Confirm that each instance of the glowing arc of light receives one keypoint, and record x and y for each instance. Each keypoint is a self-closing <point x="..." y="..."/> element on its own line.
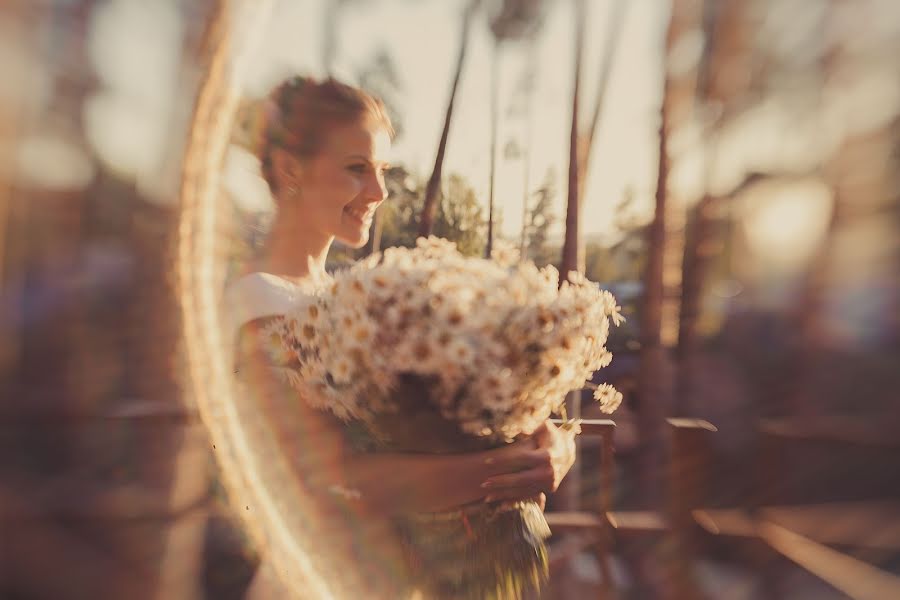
<point x="209" y="377"/>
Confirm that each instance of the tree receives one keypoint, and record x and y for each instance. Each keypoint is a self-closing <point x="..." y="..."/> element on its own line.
<point x="517" y="19"/>
<point x="571" y="261"/>
<point x="433" y="188"/>
<point x="458" y="217"/>
<point x="526" y="91"/>
<point x="698" y="245"/>
<point x="580" y="144"/>
<point x="613" y="32"/>
<point x="495" y="83"/>
<point x="572" y="257"/>
<point x="538" y="222"/>
<point x="399" y="215"/>
<point x="653" y="386"/>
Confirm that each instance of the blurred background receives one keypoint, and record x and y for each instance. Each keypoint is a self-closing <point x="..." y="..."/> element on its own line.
<point x="729" y="169"/>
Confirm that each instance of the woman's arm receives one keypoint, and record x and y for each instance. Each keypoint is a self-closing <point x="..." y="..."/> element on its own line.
<point x="553" y="457"/>
<point x="400" y="483"/>
<point x="428" y="483"/>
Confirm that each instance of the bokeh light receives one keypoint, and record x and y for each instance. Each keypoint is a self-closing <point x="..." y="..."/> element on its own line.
<point x="786" y="222"/>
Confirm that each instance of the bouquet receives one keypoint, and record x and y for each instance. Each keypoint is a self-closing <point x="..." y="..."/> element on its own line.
<point x="426" y="350"/>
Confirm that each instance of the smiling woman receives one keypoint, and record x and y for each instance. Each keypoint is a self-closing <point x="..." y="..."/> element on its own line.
<point x="322" y="156"/>
<point x="303" y="541"/>
<point x="320" y="507"/>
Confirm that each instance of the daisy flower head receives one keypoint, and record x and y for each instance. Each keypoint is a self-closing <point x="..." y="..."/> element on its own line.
<point x="500" y="328"/>
<point x="341" y="370"/>
<point x="608" y="397"/>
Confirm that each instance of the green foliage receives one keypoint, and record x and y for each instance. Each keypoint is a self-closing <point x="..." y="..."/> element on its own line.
<point x="623" y="261"/>
<point x="400" y="213"/>
<point x="459" y="217"/>
<point x="598" y="263"/>
<point x="540" y="220"/>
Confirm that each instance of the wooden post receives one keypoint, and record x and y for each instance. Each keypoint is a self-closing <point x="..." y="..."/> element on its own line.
<point x="688" y="475"/>
<point x="572" y="259"/>
<point x="605" y="429"/>
<point x="596" y="521"/>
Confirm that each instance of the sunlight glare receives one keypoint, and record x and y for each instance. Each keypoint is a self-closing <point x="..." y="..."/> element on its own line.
<point x="785" y="222"/>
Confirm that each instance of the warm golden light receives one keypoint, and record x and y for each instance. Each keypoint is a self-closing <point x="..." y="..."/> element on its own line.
<point x="738" y="196"/>
<point x="785" y="221"/>
<point x="254" y="470"/>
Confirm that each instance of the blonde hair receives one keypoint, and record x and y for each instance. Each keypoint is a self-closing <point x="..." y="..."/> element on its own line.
<point x="300" y="112"/>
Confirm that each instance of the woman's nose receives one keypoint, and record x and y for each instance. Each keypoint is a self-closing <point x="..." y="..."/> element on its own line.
<point x="375" y="189"/>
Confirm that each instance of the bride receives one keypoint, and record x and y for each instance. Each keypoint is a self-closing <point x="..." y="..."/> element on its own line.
<point x="321" y="153"/>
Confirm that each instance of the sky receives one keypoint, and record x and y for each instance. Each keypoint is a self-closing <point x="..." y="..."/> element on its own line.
<point x="422" y="39"/>
<point x="140" y="97"/>
<point x="134" y="117"/>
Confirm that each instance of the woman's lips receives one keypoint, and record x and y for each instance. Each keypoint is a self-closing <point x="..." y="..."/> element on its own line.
<point x="360" y="215"/>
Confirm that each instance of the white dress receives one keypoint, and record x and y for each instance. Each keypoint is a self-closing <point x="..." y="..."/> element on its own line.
<point x="255" y="296"/>
<point x="259" y="295"/>
<point x="246" y="299"/>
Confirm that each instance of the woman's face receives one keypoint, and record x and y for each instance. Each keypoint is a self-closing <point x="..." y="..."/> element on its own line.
<point x="341" y="186"/>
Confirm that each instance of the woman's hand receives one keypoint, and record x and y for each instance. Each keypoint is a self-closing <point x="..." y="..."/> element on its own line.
<point x="526" y="470"/>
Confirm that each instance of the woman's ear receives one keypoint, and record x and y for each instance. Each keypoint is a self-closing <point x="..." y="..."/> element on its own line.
<point x="286" y="169"/>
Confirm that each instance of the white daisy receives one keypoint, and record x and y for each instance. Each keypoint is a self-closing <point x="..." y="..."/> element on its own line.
<point x="608" y="397"/>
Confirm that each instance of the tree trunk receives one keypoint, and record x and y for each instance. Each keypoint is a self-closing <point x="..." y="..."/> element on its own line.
<point x="572" y="253"/>
<point x="698" y="249"/>
<point x="651" y="385"/>
<point x="433" y="188"/>
<point x="495" y="92"/>
<point x="655" y="374"/>
<point x="526" y="172"/>
<point x="570" y="491"/>
<point x="613" y="33"/>
<point x="698" y="243"/>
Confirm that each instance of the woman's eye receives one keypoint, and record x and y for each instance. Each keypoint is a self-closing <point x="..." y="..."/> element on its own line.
<point x="360" y="168"/>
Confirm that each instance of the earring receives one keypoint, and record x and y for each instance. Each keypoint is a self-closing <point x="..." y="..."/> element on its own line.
<point x="292" y="191"/>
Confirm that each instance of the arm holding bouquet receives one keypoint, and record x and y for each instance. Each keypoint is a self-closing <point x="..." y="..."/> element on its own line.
<point x="450" y="366"/>
<point x="397" y="483"/>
